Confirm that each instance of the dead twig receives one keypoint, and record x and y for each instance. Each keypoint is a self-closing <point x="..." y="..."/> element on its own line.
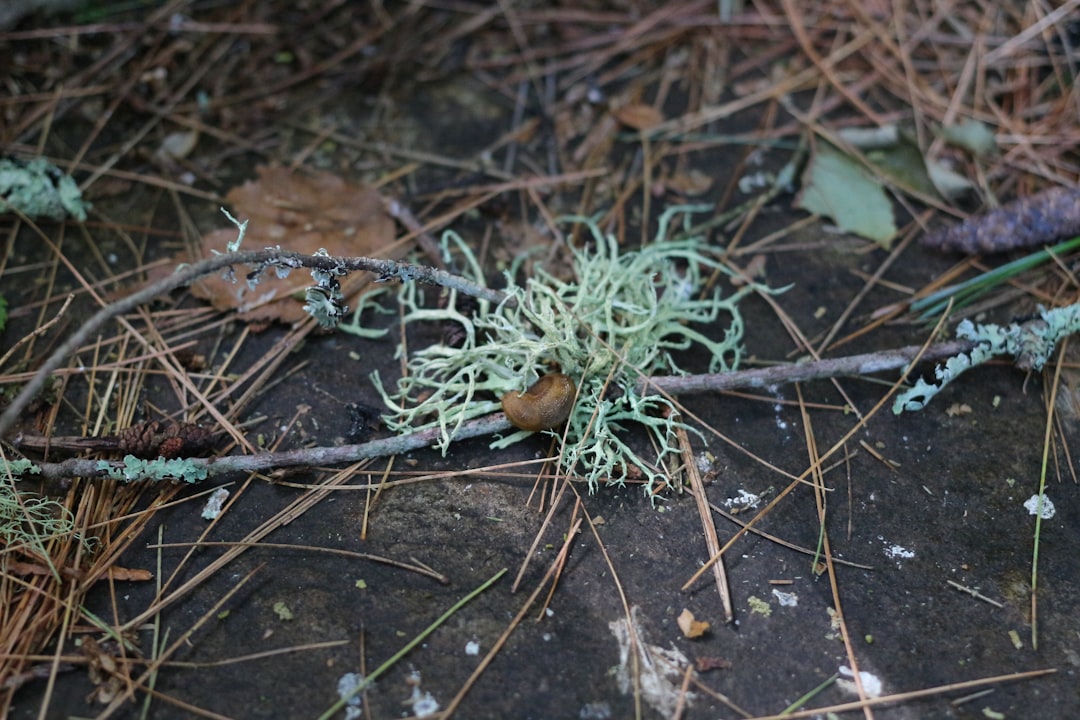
<point x="261" y="259"/>
<point x="320" y="456"/>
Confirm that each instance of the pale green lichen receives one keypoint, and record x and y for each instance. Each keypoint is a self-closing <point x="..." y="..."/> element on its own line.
<point x="27" y="520"/>
<point x="38" y="188"/>
<point x="186" y="470"/>
<point x="1030" y="343"/>
<point x="20" y="467"/>
<point x="368" y="300"/>
<point x="620" y="317"/>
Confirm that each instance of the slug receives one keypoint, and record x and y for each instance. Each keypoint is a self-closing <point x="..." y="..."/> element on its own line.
<point x="543" y="406"/>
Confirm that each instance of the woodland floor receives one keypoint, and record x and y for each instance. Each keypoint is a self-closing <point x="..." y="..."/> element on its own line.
<point x="492" y="120"/>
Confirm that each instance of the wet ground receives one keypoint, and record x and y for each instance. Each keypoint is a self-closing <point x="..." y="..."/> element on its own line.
<point x="942" y="509"/>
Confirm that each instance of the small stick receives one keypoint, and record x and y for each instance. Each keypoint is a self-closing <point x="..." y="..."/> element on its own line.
<point x="262" y="259"/>
<point x="866" y="364"/>
<point x="497" y="422"/>
<point x="266" y="461"/>
<point x="712" y="542"/>
<point x="974" y="593"/>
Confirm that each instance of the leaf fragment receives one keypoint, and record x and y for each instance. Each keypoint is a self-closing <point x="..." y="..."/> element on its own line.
<point x="691" y="627"/>
<point x="837" y="186"/>
<point x="304" y="213"/>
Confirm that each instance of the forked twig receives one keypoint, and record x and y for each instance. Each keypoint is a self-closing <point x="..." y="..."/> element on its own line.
<point x="262" y="259"/>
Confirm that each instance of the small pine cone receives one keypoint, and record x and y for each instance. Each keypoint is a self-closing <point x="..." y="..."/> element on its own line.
<point x="170" y="448"/>
<point x="1030" y="221"/>
<point x="155" y="438"/>
<point x="140" y="440"/>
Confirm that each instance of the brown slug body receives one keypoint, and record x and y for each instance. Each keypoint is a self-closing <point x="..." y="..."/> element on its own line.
<point x="547" y="404"/>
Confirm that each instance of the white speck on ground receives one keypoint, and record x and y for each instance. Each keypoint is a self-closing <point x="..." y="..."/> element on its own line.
<point x="346" y="684"/>
<point x="786" y="599"/>
<point x="743" y="500"/>
<point x="896" y="552"/>
<point x="214" y="503"/>
<point x="1047" y="510"/>
<point x="871" y="684"/>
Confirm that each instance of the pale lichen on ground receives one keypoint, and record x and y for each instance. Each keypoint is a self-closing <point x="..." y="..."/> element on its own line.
<point x="27" y="520"/>
<point x="38" y="188"/>
<point x="619" y="318"/>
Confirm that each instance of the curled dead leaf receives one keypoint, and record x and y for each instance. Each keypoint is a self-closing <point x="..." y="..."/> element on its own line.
<point x="130" y="574"/>
<point x="302" y="212"/>
<point x="711" y="662"/>
<point x="691" y="184"/>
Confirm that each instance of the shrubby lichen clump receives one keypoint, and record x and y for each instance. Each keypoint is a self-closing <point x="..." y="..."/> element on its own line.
<point x="620" y="318"/>
<point x="30" y="521"/>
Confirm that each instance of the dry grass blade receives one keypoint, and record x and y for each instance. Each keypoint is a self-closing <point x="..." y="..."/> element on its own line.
<point x="712" y="543"/>
<point x="820" y="493"/>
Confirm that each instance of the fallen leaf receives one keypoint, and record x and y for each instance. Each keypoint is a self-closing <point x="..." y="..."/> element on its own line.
<point x="302" y="212"/>
<point x="835" y="185"/>
<point x="638" y="116"/>
<point x="282" y="611"/>
<point x="178" y="145"/>
<point x="971" y="135"/>
<point x="895" y="154"/>
<point x="691" y="627"/>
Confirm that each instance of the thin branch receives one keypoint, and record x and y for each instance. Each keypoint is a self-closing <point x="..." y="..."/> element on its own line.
<point x="497" y="422"/>
<point x="267" y="461"/>
<point x="259" y="259"/>
<point x="200" y="468"/>
<point x="866" y="364"/>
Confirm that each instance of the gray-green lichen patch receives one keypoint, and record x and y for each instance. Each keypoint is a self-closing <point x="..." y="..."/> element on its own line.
<point x="37" y="188"/>
<point x="20" y="467"/>
<point x="1030" y="344"/>
<point x="29" y="520"/>
<point x="620" y="318"/>
<point x="186" y="470"/>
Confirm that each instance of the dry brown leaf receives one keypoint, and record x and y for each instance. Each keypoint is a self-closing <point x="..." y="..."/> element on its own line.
<point x="15" y="567"/>
<point x="638" y="116"/>
<point x="303" y="213"/>
<point x="690" y="626"/>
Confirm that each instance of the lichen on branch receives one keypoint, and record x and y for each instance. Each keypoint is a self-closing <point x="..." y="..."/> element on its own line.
<point x="1030" y="344"/>
<point x="621" y="316"/>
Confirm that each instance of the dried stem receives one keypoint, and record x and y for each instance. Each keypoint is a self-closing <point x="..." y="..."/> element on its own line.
<point x="385" y="269"/>
<point x="496" y="423"/>
<point x="866" y="364"/>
